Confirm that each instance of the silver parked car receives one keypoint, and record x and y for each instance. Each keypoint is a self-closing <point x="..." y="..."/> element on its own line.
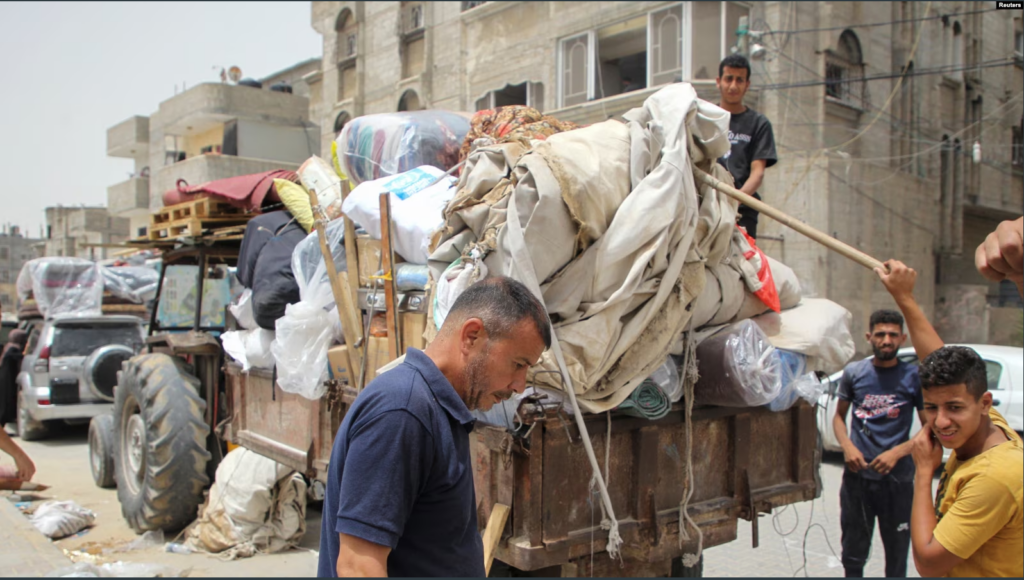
<point x="70" y="369"/>
<point x="1005" y="366"/>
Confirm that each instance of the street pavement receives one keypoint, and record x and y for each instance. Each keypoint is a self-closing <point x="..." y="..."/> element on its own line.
<point x="792" y="535"/>
<point x="807" y="531"/>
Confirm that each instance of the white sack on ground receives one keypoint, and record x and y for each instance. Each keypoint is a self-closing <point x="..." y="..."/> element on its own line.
<point x="255" y="505"/>
<point x="59" y="519"/>
<point x="817" y="328"/>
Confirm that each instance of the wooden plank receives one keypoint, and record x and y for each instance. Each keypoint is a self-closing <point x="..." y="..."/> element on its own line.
<point x="387" y="254"/>
<point x="351" y="253"/>
<point x="492" y="534"/>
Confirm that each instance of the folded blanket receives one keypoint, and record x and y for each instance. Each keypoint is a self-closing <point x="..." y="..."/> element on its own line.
<point x="648" y="401"/>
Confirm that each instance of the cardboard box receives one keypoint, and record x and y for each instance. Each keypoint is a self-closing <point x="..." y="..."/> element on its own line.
<point x="375" y="359"/>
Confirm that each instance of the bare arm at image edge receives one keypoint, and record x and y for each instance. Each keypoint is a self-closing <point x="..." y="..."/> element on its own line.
<point x="26" y="469"/>
<point x="359" y="558"/>
<point x="899" y="281"/>
<point x="1001" y="256"/>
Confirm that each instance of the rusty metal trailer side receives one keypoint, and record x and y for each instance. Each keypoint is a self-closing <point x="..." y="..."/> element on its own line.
<point x="745" y="462"/>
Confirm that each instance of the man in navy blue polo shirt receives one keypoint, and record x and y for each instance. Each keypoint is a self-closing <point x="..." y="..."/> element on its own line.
<point x="400" y="498"/>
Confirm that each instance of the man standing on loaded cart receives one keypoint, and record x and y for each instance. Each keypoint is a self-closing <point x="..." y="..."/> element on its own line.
<point x="753" y="142"/>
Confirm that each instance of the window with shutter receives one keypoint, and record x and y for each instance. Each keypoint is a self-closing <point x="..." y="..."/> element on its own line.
<point x="577" y="69"/>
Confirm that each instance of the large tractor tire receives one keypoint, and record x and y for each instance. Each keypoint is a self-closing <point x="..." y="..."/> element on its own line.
<point x="160" y="438"/>
<point x="101" y="450"/>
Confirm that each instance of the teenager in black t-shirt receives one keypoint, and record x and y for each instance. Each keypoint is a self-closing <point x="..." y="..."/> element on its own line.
<point x="753" y="143"/>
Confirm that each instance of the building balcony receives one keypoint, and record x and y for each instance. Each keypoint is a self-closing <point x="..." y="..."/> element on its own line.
<point x="129" y="198"/>
<point x="616" y="105"/>
<point x="203" y="168"/>
<point x="129" y="138"/>
<point x="204" y="106"/>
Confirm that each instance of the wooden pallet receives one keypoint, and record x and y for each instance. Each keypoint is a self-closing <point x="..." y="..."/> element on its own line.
<point x="194" y="227"/>
<point x="201" y="209"/>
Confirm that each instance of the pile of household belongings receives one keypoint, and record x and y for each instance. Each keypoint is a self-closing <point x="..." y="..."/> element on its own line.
<point x="627" y="252"/>
<point x="63" y="286"/>
<point x="255" y="505"/>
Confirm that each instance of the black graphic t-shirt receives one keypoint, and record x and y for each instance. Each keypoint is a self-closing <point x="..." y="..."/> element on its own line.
<point x="752" y="138"/>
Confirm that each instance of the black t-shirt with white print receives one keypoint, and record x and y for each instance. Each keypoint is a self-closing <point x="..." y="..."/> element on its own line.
<point x="751" y="136"/>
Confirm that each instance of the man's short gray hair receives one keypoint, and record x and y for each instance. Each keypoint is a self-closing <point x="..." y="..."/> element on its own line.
<point x="501" y="303"/>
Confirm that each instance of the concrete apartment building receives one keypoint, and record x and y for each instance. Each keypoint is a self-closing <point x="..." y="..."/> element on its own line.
<point x="212" y="131"/>
<point x="82" y="232"/>
<point x="876" y="138"/>
<point x="15" y="250"/>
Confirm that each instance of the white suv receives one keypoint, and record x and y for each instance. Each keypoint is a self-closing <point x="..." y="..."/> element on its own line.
<point x="70" y="369"/>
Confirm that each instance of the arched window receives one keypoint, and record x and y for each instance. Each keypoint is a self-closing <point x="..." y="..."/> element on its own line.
<point x="346" y="28"/>
<point x="340" y="121"/>
<point x="844" y="70"/>
<point x="346" y="52"/>
<point x="410" y="101"/>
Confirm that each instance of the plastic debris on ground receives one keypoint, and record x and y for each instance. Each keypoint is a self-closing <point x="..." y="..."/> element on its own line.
<point x="117" y="570"/>
<point x="62" y="286"/>
<point x="738" y="368"/>
<point x="375" y="146"/>
<point x="255" y="505"/>
<point x="59" y="519"/>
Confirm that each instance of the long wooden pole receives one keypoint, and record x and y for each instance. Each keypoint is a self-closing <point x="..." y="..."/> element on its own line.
<point x="818" y="236"/>
<point x="342" y="295"/>
<point x="351" y="251"/>
<point x="388" y="263"/>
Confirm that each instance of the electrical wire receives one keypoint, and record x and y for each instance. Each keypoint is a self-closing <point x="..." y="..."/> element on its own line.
<point x="884" y="23"/>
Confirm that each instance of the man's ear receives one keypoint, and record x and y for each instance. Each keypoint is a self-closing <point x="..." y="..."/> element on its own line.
<point x="471" y="335"/>
<point x="903" y="339"/>
<point x="986" y="401"/>
<point x="867" y="336"/>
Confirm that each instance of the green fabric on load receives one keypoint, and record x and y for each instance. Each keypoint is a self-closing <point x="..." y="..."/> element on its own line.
<point x="648" y="401"/>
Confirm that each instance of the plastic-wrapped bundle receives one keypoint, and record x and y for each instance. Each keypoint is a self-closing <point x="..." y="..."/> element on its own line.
<point x="134" y="283"/>
<point x="62" y="286"/>
<point x="797" y="382"/>
<point x="375" y="146"/>
<point x="738" y="368"/>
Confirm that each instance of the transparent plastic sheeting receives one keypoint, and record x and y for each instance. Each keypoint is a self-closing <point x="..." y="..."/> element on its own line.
<point x="62" y="286"/>
<point x="375" y="146"/>
<point x="134" y="283"/>
<point x="738" y="368"/>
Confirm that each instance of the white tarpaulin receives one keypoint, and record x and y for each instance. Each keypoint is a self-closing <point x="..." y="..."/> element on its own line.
<point x="613" y="230"/>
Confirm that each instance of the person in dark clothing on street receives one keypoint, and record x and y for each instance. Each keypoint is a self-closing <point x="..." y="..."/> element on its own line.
<point x="878" y="482"/>
<point x="10" y="365"/>
<point x="750" y="133"/>
<point x="400" y="498"/>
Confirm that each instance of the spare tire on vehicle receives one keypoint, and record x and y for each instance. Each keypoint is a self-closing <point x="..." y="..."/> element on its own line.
<point x="101" y="367"/>
<point x="160" y="438"/>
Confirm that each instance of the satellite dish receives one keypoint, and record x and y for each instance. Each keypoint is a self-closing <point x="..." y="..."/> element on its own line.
<point x="235" y="74"/>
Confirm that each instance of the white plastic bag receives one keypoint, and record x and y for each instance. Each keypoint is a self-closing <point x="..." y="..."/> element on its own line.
<point x="59" y="519"/>
<point x="416" y="208"/>
<point x="738" y="368"/>
<point x="251" y="348"/>
<point x="302" y="338"/>
<point x="454" y="281"/>
<point x="667" y="378"/>
<point x="117" y="570"/>
<point x="309" y="267"/>
<point x="241" y="309"/>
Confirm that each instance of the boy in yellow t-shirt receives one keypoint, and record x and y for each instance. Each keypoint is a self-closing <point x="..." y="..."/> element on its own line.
<point x="975" y="526"/>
